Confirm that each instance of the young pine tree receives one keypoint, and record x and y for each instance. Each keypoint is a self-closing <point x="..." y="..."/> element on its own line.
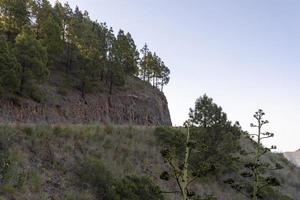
<point x="127" y="53"/>
<point x="207" y="146"/>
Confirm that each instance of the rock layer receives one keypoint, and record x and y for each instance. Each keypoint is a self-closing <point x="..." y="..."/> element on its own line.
<point x="145" y="106"/>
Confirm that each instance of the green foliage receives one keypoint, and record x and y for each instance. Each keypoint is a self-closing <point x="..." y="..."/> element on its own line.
<point x="256" y="180"/>
<point x="51" y="39"/>
<point x="171" y="139"/>
<point x="51" y="159"/>
<point x="47" y="38"/>
<point x="207" y="114"/>
<point x="126" y="53"/>
<point x="11" y="175"/>
<point x="14" y="15"/>
<point x="9" y="69"/>
<point x="136" y="188"/>
<point x="91" y="171"/>
<point x="208" y="146"/>
<point x="33" y="58"/>
<point x="153" y="69"/>
<point x="213" y="135"/>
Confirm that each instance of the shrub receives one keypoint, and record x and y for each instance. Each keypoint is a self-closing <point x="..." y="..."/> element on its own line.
<point x="136" y="188"/>
<point x="92" y="173"/>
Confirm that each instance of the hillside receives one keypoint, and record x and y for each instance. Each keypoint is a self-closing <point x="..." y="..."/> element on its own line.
<point x="59" y="65"/>
<point x="43" y="162"/>
<point x="294" y="157"/>
<point x="136" y="103"/>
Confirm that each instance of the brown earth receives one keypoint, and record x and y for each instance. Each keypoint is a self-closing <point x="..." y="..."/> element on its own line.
<point x="136" y="103"/>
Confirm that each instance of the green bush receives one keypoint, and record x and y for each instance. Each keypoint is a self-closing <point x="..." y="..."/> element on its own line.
<point x="136" y="188"/>
<point x="93" y="174"/>
<point x="12" y="175"/>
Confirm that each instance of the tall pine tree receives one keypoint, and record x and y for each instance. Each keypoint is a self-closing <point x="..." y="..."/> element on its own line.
<point x="33" y="59"/>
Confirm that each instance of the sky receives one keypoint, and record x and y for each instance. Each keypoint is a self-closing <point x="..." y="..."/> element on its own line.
<point x="242" y="53"/>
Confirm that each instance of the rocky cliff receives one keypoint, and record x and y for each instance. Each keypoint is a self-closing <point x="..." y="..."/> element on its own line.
<point x="137" y="103"/>
<point x="293" y="157"/>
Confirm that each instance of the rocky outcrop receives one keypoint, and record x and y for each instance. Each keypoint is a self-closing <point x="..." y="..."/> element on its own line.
<point x="143" y="106"/>
<point x="293" y="157"/>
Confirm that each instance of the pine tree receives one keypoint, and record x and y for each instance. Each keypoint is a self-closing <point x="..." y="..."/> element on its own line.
<point x="14" y="15"/>
<point x="33" y="59"/>
<point x="165" y="75"/>
<point x="52" y="40"/>
<point x="9" y="69"/>
<point x="67" y="24"/>
<point x="153" y="68"/>
<point x="143" y="64"/>
<point x="207" y="146"/>
<point x="87" y="38"/>
<point x="127" y="53"/>
<point x="48" y="29"/>
<point x="115" y="73"/>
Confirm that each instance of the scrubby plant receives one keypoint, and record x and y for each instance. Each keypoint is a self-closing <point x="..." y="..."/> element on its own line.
<point x="257" y="182"/>
<point x="11" y="174"/>
<point x="136" y="188"/>
<point x="93" y="174"/>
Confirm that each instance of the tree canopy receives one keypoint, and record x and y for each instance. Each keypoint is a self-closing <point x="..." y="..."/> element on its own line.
<point x="207" y="146"/>
<point x="39" y="39"/>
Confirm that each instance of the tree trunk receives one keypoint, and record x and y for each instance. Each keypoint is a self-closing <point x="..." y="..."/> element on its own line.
<point x="255" y="172"/>
<point x="111" y="83"/>
<point x="83" y="89"/>
<point x="185" y="167"/>
<point x="22" y="82"/>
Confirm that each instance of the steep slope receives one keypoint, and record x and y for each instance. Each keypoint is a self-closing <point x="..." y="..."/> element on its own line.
<point x="136" y="103"/>
<point x="43" y="161"/>
<point x="293" y="157"/>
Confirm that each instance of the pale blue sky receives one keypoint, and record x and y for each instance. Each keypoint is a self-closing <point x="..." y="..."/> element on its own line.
<point x="242" y="53"/>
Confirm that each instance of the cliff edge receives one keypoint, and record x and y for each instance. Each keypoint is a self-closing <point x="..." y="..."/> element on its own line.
<point x="136" y="103"/>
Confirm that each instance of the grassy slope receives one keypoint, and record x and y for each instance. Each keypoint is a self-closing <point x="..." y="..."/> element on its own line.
<point x="43" y="160"/>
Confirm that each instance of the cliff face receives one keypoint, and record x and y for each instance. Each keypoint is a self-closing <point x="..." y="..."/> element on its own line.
<point x="137" y="104"/>
<point x="293" y="157"/>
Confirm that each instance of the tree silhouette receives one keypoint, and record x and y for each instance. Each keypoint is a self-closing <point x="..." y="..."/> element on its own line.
<point x="256" y="170"/>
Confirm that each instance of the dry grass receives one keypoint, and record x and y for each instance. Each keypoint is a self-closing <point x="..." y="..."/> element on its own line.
<point x="43" y="159"/>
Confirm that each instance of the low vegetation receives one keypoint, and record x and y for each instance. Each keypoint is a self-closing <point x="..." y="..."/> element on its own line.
<point x="110" y="162"/>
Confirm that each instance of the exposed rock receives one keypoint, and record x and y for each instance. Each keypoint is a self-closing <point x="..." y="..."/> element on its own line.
<point x="293" y="157"/>
<point x="138" y="104"/>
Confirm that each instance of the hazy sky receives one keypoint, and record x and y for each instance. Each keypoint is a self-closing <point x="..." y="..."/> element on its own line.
<point x="242" y="53"/>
